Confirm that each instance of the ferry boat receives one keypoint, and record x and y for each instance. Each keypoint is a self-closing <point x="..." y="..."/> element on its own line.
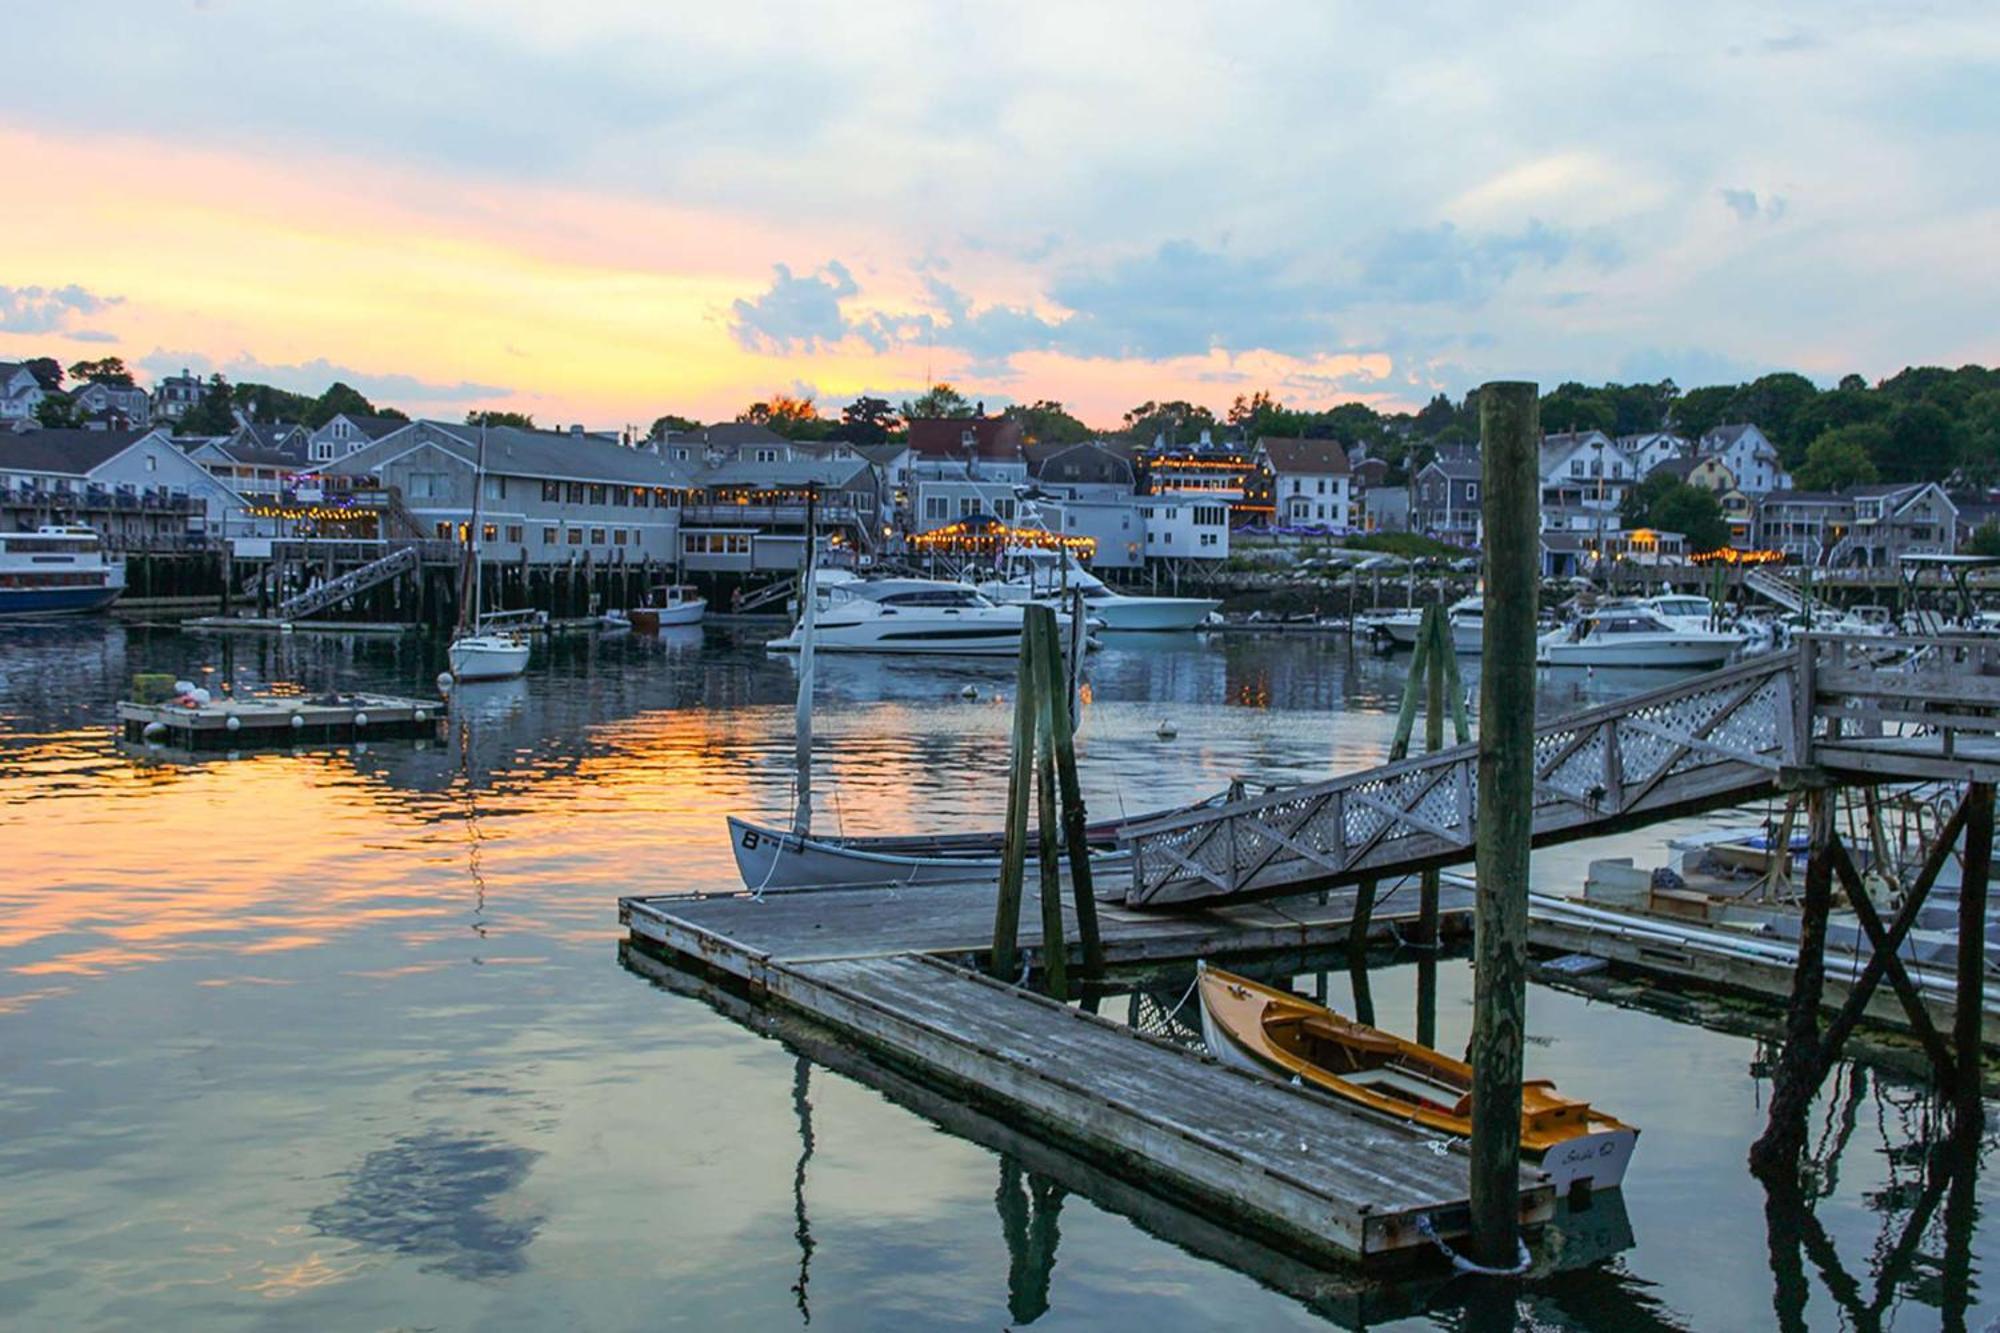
<point x="56" y="571"/>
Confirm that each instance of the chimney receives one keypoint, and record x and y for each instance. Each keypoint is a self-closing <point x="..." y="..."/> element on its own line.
<point x="576" y="429"/>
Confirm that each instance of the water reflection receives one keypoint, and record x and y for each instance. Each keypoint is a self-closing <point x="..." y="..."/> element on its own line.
<point x="433" y="1195"/>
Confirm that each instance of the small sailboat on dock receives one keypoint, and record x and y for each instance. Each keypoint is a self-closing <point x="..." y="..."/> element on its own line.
<point x="1287" y="1036"/>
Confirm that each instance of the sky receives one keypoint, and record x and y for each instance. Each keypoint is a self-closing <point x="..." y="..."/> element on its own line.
<point x="606" y="210"/>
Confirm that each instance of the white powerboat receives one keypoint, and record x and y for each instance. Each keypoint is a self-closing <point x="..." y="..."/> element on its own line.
<point x="675" y="604"/>
<point x="1683" y="610"/>
<point x="1468" y="624"/>
<point x="56" y="571"/>
<point x="898" y="615"/>
<point x="1637" y="637"/>
<point x="1038" y="575"/>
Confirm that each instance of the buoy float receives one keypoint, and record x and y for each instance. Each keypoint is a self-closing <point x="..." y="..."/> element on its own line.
<point x="969" y="692"/>
<point x="155" y="731"/>
<point x="421" y="715"/>
<point x="232" y="723"/>
<point x="1167" y="729"/>
<point x="297" y="722"/>
<point x="444" y="682"/>
<point x="361" y="719"/>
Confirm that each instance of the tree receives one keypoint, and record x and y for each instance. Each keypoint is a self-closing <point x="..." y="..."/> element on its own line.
<point x="212" y="415"/>
<point x="1842" y="457"/>
<point x="107" y="370"/>
<point x="663" y="424"/>
<point x="793" y="418"/>
<point x="1178" y="422"/>
<point x="1773" y="402"/>
<point x="1699" y="411"/>
<point x="339" y="399"/>
<point x="1985" y="539"/>
<point x="1046" y="422"/>
<point x="490" y="417"/>
<point x="1923" y="444"/>
<point x="1853" y="384"/>
<point x="265" y="402"/>
<point x="1573" y="407"/>
<point x="865" y="421"/>
<point x="940" y="400"/>
<point x="1668" y="504"/>
<point x="47" y="371"/>
<point x="55" y="412"/>
<point x="1437" y="416"/>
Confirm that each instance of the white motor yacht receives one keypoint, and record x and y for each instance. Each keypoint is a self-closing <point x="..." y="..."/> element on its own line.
<point x="1038" y="575"/>
<point x="1633" y="636"/>
<point x="897" y="615"/>
<point x="1683" y="610"/>
<point x="56" y="571"/>
<point x="1468" y="624"/>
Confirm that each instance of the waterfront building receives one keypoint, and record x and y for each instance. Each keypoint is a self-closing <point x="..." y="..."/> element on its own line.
<point x="136" y="488"/>
<point x="99" y="406"/>
<point x="1309" y="482"/>
<point x="1751" y="458"/>
<point x="1805" y="525"/>
<point x="177" y="395"/>
<point x="1892" y="520"/>
<point x="1444" y="498"/>
<point x="1653" y="449"/>
<point x="348" y="433"/>
<point x="961" y="466"/>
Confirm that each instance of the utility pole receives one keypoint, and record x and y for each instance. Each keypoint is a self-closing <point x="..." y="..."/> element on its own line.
<point x="1509" y="433"/>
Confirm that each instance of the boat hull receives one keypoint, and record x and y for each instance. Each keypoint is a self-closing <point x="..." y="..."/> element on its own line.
<point x="772" y="860"/>
<point x="40" y="602"/>
<point x="478" y="659"/>
<point x="1665" y="652"/>
<point x="995" y="643"/>
<point x="1123" y="614"/>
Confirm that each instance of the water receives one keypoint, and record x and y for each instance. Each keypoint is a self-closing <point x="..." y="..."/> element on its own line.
<point x="343" y="1039"/>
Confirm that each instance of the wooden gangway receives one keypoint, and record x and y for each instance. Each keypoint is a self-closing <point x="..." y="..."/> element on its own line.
<point x="1862" y="709"/>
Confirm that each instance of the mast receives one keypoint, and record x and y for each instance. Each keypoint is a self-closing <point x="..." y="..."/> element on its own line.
<point x="808" y="617"/>
<point x="468" y="574"/>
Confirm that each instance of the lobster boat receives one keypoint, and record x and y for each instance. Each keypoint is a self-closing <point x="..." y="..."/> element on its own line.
<point x="1286" y="1036"/>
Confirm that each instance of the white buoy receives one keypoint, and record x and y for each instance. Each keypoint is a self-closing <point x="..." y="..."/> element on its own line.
<point x="969" y="692"/>
<point x="232" y="723"/>
<point x="361" y="719"/>
<point x="297" y="722"/>
<point x="444" y="682"/>
<point x="421" y="715"/>
<point x="1167" y="729"/>
<point x="155" y="731"/>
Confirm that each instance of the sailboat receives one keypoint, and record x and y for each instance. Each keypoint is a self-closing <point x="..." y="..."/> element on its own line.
<point x="480" y="651"/>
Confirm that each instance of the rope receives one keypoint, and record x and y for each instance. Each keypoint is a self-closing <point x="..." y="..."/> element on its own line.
<point x="1465" y="1265"/>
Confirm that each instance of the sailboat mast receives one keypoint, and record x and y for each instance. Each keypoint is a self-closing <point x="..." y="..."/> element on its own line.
<point x="472" y="534"/>
<point x="808" y="617"/>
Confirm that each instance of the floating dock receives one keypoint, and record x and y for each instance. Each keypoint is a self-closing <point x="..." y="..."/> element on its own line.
<point x="234" y="724"/>
<point x="884" y="967"/>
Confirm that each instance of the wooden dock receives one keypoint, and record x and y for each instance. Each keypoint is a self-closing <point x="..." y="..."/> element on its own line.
<point x="235" y="724"/>
<point x="882" y="967"/>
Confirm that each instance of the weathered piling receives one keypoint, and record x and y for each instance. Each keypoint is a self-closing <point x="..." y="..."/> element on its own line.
<point x="1971" y="981"/>
<point x="1014" y="839"/>
<point x="1510" y="436"/>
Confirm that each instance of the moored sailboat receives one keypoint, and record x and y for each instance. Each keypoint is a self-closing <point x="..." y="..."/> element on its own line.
<point x="481" y="650"/>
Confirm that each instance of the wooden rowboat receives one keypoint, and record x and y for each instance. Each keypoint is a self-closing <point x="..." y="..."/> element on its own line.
<point x="1277" y="1033"/>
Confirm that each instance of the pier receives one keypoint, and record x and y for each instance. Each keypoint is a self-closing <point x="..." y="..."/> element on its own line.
<point x="889" y="969"/>
<point x="230" y="724"/>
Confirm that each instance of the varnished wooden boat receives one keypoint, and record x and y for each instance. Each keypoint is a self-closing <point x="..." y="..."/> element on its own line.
<point x="1277" y="1033"/>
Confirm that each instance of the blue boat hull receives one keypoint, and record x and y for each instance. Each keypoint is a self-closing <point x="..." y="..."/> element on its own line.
<point x="55" y="601"/>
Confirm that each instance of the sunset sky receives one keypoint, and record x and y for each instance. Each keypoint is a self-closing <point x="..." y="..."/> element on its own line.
<point x="605" y="210"/>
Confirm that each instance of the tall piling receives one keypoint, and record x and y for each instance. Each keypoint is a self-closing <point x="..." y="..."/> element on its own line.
<point x="1971" y="979"/>
<point x="1510" y="439"/>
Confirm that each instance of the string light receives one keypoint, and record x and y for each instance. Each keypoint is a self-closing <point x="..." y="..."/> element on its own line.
<point x="982" y="534"/>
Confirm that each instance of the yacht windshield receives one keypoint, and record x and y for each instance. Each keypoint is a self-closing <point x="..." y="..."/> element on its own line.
<point x="959" y="597"/>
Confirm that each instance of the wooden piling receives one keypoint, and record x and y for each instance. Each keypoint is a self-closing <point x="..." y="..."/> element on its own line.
<point x="1443" y="651"/>
<point x="1014" y="841"/>
<point x="1971" y="982"/>
<point x="1075" y="819"/>
<point x="1797" y="1076"/>
<point x="1038" y="636"/>
<point x="1510" y="438"/>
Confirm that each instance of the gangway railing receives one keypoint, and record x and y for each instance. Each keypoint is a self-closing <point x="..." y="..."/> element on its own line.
<point x="336" y="590"/>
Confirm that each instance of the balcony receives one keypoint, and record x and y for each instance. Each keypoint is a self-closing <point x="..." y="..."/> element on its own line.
<point x="765" y="516"/>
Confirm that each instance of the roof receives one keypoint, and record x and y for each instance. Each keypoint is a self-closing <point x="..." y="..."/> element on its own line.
<point x="1313" y="457"/>
<point x="1677" y="467"/>
<point x="1879" y="488"/>
<point x="512" y="451"/>
<point x="1097" y="462"/>
<point x="831" y="472"/>
<point x="726" y="433"/>
<point x="1721" y="437"/>
<point x="70" y="452"/>
<point x="1804" y="497"/>
<point x="1455" y="469"/>
<point x="995" y="439"/>
<point x="373" y="427"/>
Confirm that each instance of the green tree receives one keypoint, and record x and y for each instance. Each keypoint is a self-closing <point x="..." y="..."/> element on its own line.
<point x="1985" y="539"/>
<point x="1695" y="513"/>
<point x="47" y="371"/>
<point x="1699" y="411"/>
<point x="1923" y="444"/>
<point x="1842" y="457"/>
<point x="1180" y="422"/>
<point x="1046" y="422"/>
<point x="1774" y="402"/>
<point x="489" y="417"/>
<point x="1438" y="416"/>
<point x="105" y="370"/>
<point x="339" y="399"/>
<point x="1573" y="406"/>
<point x="866" y="421"/>
<point x="55" y="412"/>
<point x="265" y="402"/>
<point x="1853" y="384"/>
<point x="663" y="424"/>
<point x="940" y="400"/>
<point x="212" y="415"/>
<point x="783" y="414"/>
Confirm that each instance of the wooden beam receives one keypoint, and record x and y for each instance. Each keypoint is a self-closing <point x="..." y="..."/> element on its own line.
<point x="1776" y="1152"/>
<point x="1972" y="950"/>
<point x="1076" y="820"/>
<point x="1882" y="948"/>
<point x="1014" y="840"/>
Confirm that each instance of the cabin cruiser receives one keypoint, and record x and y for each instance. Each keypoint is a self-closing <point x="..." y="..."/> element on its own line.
<point x="56" y="571"/>
<point x="1468" y="624"/>
<point x="1684" y="610"/>
<point x="1634" y="636"/>
<point x="899" y="615"/>
<point x="671" y="604"/>
<point x="1038" y="575"/>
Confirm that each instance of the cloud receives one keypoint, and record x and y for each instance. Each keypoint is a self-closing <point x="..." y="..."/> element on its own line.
<point x="797" y="314"/>
<point x="1444" y="265"/>
<point x="313" y="377"/>
<point x="53" y="310"/>
<point x="1748" y="208"/>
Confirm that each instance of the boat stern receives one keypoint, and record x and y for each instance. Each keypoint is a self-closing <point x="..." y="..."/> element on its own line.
<point x="1596" y="1160"/>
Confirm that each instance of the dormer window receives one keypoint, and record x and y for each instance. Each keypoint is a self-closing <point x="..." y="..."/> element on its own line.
<point x="967" y="438"/>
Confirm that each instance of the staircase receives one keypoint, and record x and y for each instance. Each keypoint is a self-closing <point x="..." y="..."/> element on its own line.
<point x="1776" y="589"/>
<point x="398" y="561"/>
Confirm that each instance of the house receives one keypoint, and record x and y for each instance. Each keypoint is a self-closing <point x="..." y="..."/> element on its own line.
<point x="1751" y="458"/>
<point x="177" y="395"/>
<point x="1444" y="499"/>
<point x="102" y="406"/>
<point x="961" y="466"/>
<point x="136" y="487"/>
<point x="1584" y="470"/>
<point x="20" y="393"/>
<point x="257" y="460"/>
<point x="1652" y="449"/>
<point x="1114" y="523"/>
<point x="1805" y="525"/>
<point x="1310" y="481"/>
<point x="1185" y="527"/>
<point x="349" y="433"/>
<point x="549" y="496"/>
<point x="1076" y="470"/>
<point x="1893" y="520"/>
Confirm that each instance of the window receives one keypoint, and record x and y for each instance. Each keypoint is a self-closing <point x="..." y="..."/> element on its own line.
<point x="1576" y="467"/>
<point x="620" y="497"/>
<point x="514" y="533"/>
<point x="1004" y="509"/>
<point x="428" y="486"/>
<point x="967" y="506"/>
<point x="322" y="452"/>
<point x="495" y="488"/>
<point x="767" y="455"/>
<point x="1298" y="486"/>
<point x="576" y="536"/>
<point x="1322" y="485"/>
<point x="444" y="532"/>
<point x="680" y="455"/>
<point x="1208" y="539"/>
<point x="341" y="430"/>
<point x="152" y="463"/>
<point x="617" y="536"/>
<point x="489" y="532"/>
<point x="967" y="438"/>
<point x="573" y="493"/>
<point x="548" y="536"/>
<point x="936" y="507"/>
<point x="1471" y="490"/>
<point x="597" y="495"/>
<point x="641" y="497"/>
<point x="597" y="536"/>
<point x="552" y="492"/>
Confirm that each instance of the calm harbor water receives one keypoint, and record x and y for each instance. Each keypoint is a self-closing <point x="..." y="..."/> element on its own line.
<point x="343" y="1040"/>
